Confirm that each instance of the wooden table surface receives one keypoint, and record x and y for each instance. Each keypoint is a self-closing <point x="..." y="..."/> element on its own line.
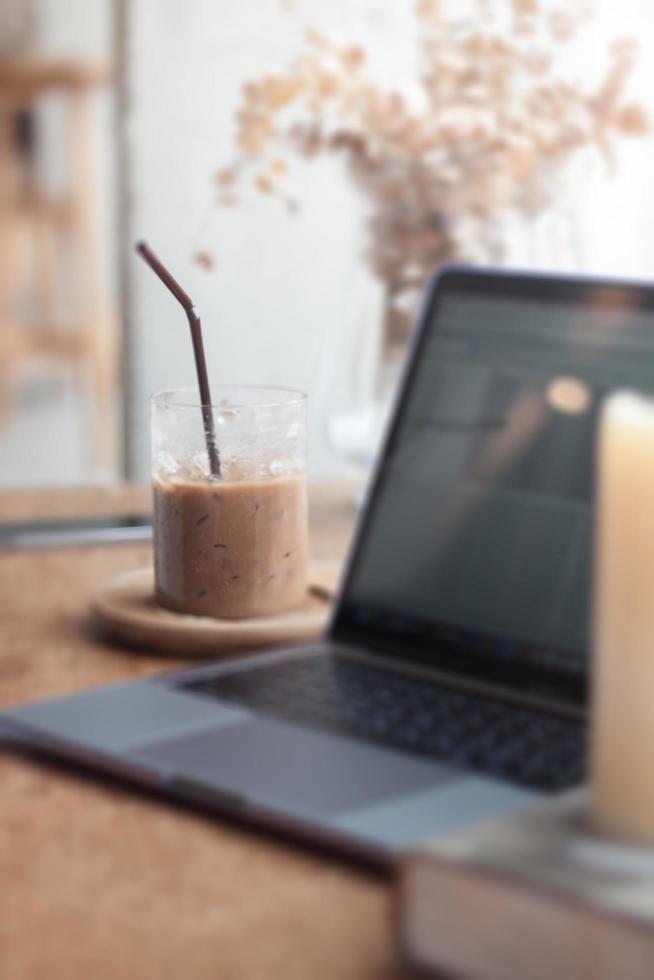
<point x="99" y="881"/>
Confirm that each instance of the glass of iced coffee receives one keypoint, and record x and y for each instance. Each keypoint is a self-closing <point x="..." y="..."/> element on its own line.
<point x="236" y="545"/>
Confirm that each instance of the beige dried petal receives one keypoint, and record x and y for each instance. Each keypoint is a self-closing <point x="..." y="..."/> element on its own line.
<point x="251" y="91"/>
<point x="624" y="49"/>
<point x="521" y="163"/>
<point x="522" y="8"/>
<point x="428" y="9"/>
<point x="318" y="39"/>
<point x="264" y="184"/>
<point x="204" y="259"/>
<point x="538" y="62"/>
<point x="345" y="140"/>
<point x="310" y="141"/>
<point x="279" y="91"/>
<point x="352" y="58"/>
<point x="225" y="177"/>
<point x="326" y="85"/>
<point x="632" y="120"/>
<point x="254" y="139"/>
<point x="561" y="25"/>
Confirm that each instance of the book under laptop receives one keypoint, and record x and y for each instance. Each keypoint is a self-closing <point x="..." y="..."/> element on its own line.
<point x="451" y="684"/>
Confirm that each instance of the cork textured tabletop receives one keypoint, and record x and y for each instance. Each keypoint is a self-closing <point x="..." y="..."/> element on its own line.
<point x="99" y="880"/>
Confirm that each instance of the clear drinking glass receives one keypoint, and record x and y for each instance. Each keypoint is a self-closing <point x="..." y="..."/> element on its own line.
<point x="237" y="545"/>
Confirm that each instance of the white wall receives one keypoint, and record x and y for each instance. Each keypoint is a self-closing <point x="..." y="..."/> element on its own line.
<point x="616" y="210"/>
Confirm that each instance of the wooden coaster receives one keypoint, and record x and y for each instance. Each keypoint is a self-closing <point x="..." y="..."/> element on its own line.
<point x="126" y="610"/>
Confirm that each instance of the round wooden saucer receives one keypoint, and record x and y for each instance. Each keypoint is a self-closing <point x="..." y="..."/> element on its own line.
<point x="125" y="609"/>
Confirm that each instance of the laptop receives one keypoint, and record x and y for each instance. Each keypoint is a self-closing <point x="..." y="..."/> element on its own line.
<point x="451" y="684"/>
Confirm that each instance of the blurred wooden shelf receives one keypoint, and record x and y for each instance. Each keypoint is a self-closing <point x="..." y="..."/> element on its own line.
<point x="50" y="246"/>
<point x="24" y="78"/>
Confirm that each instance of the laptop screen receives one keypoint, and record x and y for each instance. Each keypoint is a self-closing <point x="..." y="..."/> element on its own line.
<point x="476" y="550"/>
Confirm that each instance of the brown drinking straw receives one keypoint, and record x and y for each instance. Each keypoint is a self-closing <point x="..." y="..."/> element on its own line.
<point x="198" y="351"/>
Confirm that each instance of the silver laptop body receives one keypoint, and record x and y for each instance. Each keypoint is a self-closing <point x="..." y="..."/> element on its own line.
<point x="451" y="684"/>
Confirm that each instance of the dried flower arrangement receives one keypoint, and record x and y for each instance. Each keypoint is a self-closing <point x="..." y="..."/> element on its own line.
<point x="492" y="124"/>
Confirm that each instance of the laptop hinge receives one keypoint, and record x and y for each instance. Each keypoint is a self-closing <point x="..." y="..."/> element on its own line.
<point x="454" y="680"/>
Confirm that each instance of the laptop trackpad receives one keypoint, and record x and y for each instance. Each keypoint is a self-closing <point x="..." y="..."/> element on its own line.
<point x="270" y="762"/>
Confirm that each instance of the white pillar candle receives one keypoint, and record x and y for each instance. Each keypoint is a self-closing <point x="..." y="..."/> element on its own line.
<point x="622" y="743"/>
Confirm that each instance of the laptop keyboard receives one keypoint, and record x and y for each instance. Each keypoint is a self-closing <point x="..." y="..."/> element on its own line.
<point x="532" y="748"/>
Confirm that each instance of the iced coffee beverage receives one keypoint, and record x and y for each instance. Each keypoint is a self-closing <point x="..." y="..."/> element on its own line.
<point x="231" y="550"/>
<point x="236" y="546"/>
